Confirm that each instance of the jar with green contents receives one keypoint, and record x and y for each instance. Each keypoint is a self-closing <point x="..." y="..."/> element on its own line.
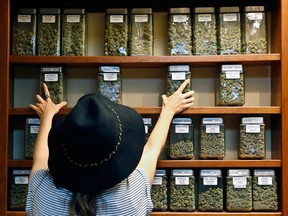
<point x="159" y="191"/>
<point x="49" y="32"/>
<point x="179" y="32"/>
<point x="176" y="75"/>
<point x="110" y="83"/>
<point x="31" y="132"/>
<point x="24" y="32"/>
<point x="252" y="138"/>
<point x="116" y="32"/>
<point x="148" y="127"/>
<point x="265" y="196"/>
<point x="141" y="36"/>
<point x="254" y="30"/>
<point x="212" y="138"/>
<point x="210" y="193"/>
<point x="204" y="31"/>
<point x="229" y="31"/>
<point x="182" y="190"/>
<point x="239" y="190"/>
<point x="181" y="144"/>
<point x="74" y="32"/>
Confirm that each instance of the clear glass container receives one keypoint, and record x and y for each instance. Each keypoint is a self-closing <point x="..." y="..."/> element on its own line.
<point x="24" y="32"/>
<point x="254" y="30"/>
<point x="204" y="31"/>
<point x="181" y="136"/>
<point x="252" y="138"/>
<point x="148" y="127"/>
<point x="239" y="190"/>
<point x="179" y="32"/>
<point x="31" y="132"/>
<point x="229" y="31"/>
<point x="116" y="32"/>
<point x="141" y="37"/>
<point x="74" y="31"/>
<point x="230" y="86"/>
<point x="212" y="138"/>
<point x="159" y="191"/>
<point x="176" y="75"/>
<point x="49" y="32"/>
<point x="110" y="83"/>
<point x="182" y="190"/>
<point x="210" y="190"/>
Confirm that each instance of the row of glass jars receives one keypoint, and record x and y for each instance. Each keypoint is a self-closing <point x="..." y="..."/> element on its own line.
<point x="181" y="190"/>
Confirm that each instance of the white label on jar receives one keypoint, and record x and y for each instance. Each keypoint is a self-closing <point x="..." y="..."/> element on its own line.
<point x="34" y="129"/>
<point x="51" y="77"/>
<point x="180" y="18"/>
<point x="73" y="18"/>
<point x="181" y="128"/>
<point x="48" y="18"/>
<point x="239" y="182"/>
<point x="233" y="75"/>
<point x="146" y="129"/>
<point x="255" y="16"/>
<point x="212" y="128"/>
<point x="21" y="179"/>
<point x="210" y="181"/>
<point x="252" y="129"/>
<point x="179" y="76"/>
<point x="182" y="180"/>
<point x="204" y="18"/>
<point x="141" y="18"/>
<point x="110" y="76"/>
<point x="265" y="180"/>
<point x="116" y="18"/>
<point x="230" y="17"/>
<point x="157" y="180"/>
<point x="24" y="18"/>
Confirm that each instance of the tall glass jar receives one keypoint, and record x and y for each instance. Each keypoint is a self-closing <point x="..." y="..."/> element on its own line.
<point x="159" y="191"/>
<point x="141" y="38"/>
<point x="148" y="127"/>
<point x="179" y="32"/>
<point x="31" y="133"/>
<point x="24" y="32"/>
<point x="176" y="75"/>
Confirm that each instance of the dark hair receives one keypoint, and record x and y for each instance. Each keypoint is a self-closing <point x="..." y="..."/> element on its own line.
<point x="83" y="204"/>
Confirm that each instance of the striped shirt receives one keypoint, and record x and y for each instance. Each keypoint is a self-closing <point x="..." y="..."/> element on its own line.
<point x="129" y="197"/>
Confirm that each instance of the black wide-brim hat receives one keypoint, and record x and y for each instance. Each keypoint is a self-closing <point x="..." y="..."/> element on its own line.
<point x="97" y="145"/>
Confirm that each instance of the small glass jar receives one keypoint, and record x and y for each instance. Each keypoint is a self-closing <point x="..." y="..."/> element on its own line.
<point x="116" y="32"/>
<point x="148" y="127"/>
<point x="53" y="77"/>
<point x="110" y="83"/>
<point x="159" y="191"/>
<point x="176" y="75"/>
<point x="239" y="190"/>
<point x="252" y="138"/>
<point x="254" y="30"/>
<point x="24" y="32"/>
<point x="74" y="32"/>
<point x="212" y="138"/>
<point x="230" y="88"/>
<point x="265" y="196"/>
<point x="182" y="190"/>
<point x="179" y="32"/>
<point x="18" y="189"/>
<point x="181" y="144"/>
<point x="31" y="132"/>
<point x="49" y="32"/>
<point x="210" y="193"/>
<point x="204" y="31"/>
<point x="141" y="41"/>
<point x="229" y="31"/>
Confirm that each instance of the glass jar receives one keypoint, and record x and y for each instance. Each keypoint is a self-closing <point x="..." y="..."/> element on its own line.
<point x="210" y="193"/>
<point x="230" y="88"/>
<point x="204" y="31"/>
<point x="179" y="32"/>
<point x="176" y="75"/>
<point x="74" y="32"/>
<point x="49" y="32"/>
<point x="24" y="32"/>
<point x="110" y="83"/>
<point x="159" y="191"/>
<point x="254" y="30"/>
<point x="239" y="190"/>
<point x="229" y="31"/>
<point x="116" y="32"/>
<point x="265" y="196"/>
<point x="252" y="138"/>
<point x="53" y="77"/>
<point x="141" y="41"/>
<point x="182" y="190"/>
<point x="212" y="138"/>
<point x="31" y="132"/>
<point x="181" y="144"/>
<point x="148" y="127"/>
